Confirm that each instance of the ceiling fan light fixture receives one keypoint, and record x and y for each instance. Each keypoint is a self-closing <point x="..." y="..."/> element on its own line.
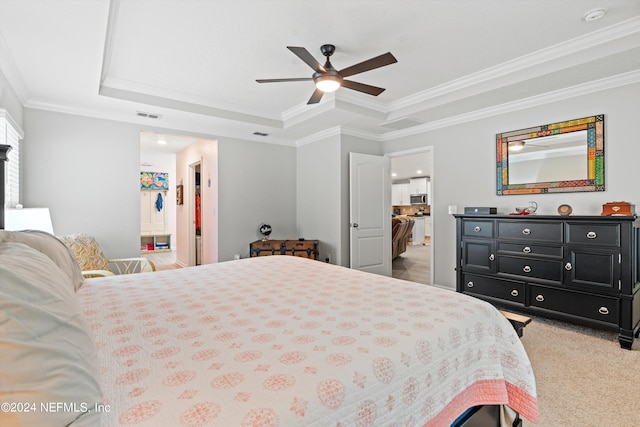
<point x="327" y="82"/>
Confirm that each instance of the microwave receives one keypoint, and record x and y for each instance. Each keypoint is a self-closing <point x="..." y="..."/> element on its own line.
<point x="418" y="199"/>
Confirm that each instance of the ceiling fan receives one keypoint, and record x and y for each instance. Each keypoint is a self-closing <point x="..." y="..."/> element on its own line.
<point x="328" y="79"/>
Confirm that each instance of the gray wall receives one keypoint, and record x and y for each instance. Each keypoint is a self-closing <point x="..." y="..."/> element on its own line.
<point x="464" y="164"/>
<point x="10" y="101"/>
<point x="257" y="183"/>
<point x="86" y="171"/>
<point x="318" y="195"/>
<point x="323" y="192"/>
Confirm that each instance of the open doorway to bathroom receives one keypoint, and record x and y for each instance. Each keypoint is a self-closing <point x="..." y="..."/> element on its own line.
<point x="412" y="204"/>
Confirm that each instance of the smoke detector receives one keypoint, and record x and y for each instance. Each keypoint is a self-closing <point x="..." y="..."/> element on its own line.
<point x="594" y="14"/>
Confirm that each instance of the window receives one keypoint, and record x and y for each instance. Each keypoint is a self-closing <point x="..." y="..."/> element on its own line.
<point x="10" y="134"/>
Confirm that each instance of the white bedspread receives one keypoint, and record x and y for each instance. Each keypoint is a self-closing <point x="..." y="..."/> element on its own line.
<point x="286" y="341"/>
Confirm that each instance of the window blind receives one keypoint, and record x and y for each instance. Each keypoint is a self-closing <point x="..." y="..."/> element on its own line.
<point x="11" y="136"/>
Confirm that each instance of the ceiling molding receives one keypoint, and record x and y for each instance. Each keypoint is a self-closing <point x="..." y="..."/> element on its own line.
<point x="578" y="44"/>
<point x="624" y="79"/>
<point x="319" y="136"/>
<point x="110" y="35"/>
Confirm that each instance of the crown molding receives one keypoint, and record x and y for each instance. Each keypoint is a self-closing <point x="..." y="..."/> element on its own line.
<point x="624" y="79"/>
<point x="572" y="46"/>
<point x="319" y="136"/>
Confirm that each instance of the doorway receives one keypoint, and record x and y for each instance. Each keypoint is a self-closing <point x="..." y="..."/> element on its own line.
<point x="414" y="169"/>
<point x="195" y="232"/>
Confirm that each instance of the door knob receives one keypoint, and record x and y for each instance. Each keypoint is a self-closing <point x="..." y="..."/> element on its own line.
<point x="355" y="225"/>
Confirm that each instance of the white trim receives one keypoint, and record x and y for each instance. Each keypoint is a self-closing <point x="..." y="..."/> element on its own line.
<point x="521" y="104"/>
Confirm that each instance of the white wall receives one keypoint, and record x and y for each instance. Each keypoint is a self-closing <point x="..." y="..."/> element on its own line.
<point x="464" y="164"/>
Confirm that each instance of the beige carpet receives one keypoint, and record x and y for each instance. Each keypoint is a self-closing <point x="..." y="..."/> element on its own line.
<point x="583" y="377"/>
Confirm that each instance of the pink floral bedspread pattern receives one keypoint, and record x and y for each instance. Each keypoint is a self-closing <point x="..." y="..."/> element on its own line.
<point x="286" y="341"/>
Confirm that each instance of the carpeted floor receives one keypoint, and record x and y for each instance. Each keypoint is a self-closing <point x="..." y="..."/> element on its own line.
<point x="583" y="377"/>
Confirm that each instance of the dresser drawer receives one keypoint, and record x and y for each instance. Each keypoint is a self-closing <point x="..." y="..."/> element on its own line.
<point x="266" y="247"/>
<point x="593" y="234"/>
<point x="604" y="309"/>
<point x="530" y="231"/>
<point x="531" y="268"/>
<point x="477" y="228"/>
<point x="530" y="249"/>
<point x="507" y="290"/>
<point x="302" y="248"/>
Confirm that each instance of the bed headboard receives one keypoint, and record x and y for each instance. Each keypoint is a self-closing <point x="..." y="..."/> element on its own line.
<point x="4" y="149"/>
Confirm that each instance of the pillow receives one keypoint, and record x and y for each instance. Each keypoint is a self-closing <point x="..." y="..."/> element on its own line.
<point x="46" y="351"/>
<point x="86" y="251"/>
<point x="50" y="246"/>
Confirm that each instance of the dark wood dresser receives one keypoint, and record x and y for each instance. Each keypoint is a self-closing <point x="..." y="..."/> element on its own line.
<point x="577" y="268"/>
<point x="301" y="247"/>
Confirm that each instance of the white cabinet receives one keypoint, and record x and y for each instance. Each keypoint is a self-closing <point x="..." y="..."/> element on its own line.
<point x="400" y="195"/>
<point x="427" y="226"/>
<point x="418" y="230"/>
<point x="418" y="186"/>
<point x="153" y="221"/>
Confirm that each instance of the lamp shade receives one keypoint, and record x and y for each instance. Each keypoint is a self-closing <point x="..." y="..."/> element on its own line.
<point x="28" y="219"/>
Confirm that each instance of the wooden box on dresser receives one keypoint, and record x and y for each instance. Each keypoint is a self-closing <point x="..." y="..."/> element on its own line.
<point x="582" y="269"/>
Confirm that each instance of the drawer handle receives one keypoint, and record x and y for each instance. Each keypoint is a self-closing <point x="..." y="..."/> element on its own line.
<point x="514" y="293"/>
<point x="526" y="231"/>
<point x="539" y="298"/>
<point x="476" y="229"/>
<point x="591" y="235"/>
<point x="526" y="269"/>
<point x="603" y="310"/>
<point x="526" y="249"/>
<point x="470" y="285"/>
<point x="568" y="266"/>
<point x="491" y="257"/>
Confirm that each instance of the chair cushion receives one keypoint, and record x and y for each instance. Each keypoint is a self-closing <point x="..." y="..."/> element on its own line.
<point x="87" y="251"/>
<point x="50" y="246"/>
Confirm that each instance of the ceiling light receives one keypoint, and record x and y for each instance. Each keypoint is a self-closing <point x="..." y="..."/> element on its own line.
<point x="328" y="82"/>
<point x="418" y="171"/>
<point x="394" y="174"/>
<point x="516" y="146"/>
<point x="594" y="14"/>
<point x="162" y="141"/>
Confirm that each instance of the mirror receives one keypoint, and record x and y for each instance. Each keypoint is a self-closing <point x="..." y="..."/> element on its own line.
<point x="562" y="157"/>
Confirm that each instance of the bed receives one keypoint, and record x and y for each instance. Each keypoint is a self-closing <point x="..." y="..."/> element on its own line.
<point x="264" y="341"/>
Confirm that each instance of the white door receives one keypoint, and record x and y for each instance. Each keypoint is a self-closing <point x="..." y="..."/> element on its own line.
<point x="370" y="213"/>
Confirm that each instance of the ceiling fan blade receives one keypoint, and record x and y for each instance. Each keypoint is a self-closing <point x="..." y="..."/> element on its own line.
<point x="315" y="97"/>
<point x="361" y="87"/>
<point x="369" y="64"/>
<point x="304" y="54"/>
<point x="301" y="79"/>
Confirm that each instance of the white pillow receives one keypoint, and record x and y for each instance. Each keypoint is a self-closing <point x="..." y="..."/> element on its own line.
<point x="46" y="351"/>
<point x="49" y="245"/>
